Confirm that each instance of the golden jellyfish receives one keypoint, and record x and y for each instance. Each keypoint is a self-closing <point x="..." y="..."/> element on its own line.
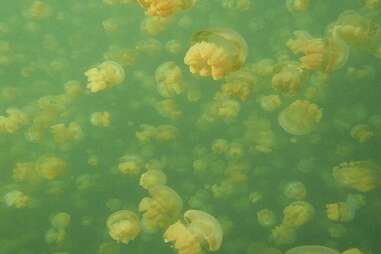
<point x="362" y="176"/>
<point x="13" y="121"/>
<point x="372" y="4"/>
<point x="266" y="217"/>
<point x="312" y="249"/>
<point x="295" y="190"/>
<point x="146" y="133"/>
<point x="50" y="167"/>
<point x="288" y="79"/>
<point x="16" y="199"/>
<point x="220" y="146"/>
<point x="283" y="234"/>
<point x="154" y="25"/>
<point x="124" y="56"/>
<point x="200" y="229"/>
<point x="166" y="133"/>
<point x="151" y="178"/>
<point x="63" y="134"/>
<point x="123" y="226"/>
<point x="25" y="171"/>
<point x="298" y="213"/>
<point x="169" y="79"/>
<point x="352" y="251"/>
<point x="39" y="10"/>
<point x="100" y="119"/>
<point x="359" y="31"/>
<point x="73" y="88"/>
<point x="130" y="164"/>
<point x="60" y="220"/>
<point x="270" y="102"/>
<point x="174" y="46"/>
<point x="239" y="5"/>
<point x="105" y="75"/>
<point x="161" y="209"/>
<point x="165" y="8"/>
<point x="300" y="118"/>
<point x="361" y="133"/>
<point x="169" y="108"/>
<point x="216" y="53"/>
<point x="297" y="5"/>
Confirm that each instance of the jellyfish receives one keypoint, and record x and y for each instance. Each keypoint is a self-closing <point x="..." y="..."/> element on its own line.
<point x="270" y="102"/>
<point x="130" y="164"/>
<point x="168" y="79"/>
<point x="361" y="133"/>
<point x="14" y="120"/>
<point x="166" y="133"/>
<point x="63" y="134"/>
<point x="123" y="226"/>
<point x="105" y="75"/>
<point x="220" y="146"/>
<point x="200" y="229"/>
<point x="152" y="178"/>
<point x="300" y="117"/>
<point x="60" y="220"/>
<point x="298" y="213"/>
<point x="16" y="199"/>
<point x="295" y="190"/>
<point x="100" y="119"/>
<point x="161" y="209"/>
<point x="288" y="79"/>
<point x="50" y="167"/>
<point x="215" y="53"/>
<point x="362" y="176"/>
<point x="352" y="251"/>
<point x="345" y="211"/>
<point x="169" y="108"/>
<point x="297" y="5"/>
<point x="283" y="234"/>
<point x="266" y="217"/>
<point x="312" y="249"/>
<point x="165" y="8"/>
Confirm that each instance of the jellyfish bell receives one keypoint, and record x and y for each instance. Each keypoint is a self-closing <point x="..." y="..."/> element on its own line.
<point x="216" y="53"/>
<point x="336" y="54"/>
<point x="165" y="8"/>
<point x="312" y="249"/>
<point x="123" y="226"/>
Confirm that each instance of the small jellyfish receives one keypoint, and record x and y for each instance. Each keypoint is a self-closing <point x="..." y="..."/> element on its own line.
<point x="298" y="213"/>
<point x="201" y="229"/>
<point x="270" y="102"/>
<point x="266" y="218"/>
<point x="362" y="176"/>
<point x="312" y="249"/>
<point x="161" y="209"/>
<point x="123" y="226"/>
<point x="220" y="146"/>
<point x="100" y="119"/>
<point x="297" y="5"/>
<point x="216" y="52"/>
<point x="130" y="164"/>
<point x="60" y="220"/>
<point x="300" y="117"/>
<point x="165" y="8"/>
<point x="295" y="190"/>
<point x="50" y="167"/>
<point x="16" y="199"/>
<point x="168" y="79"/>
<point x="362" y="133"/>
<point x="152" y="178"/>
<point x="288" y="80"/>
<point x="105" y="75"/>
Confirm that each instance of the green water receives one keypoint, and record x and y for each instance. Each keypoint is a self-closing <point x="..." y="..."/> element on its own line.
<point x="219" y="142"/>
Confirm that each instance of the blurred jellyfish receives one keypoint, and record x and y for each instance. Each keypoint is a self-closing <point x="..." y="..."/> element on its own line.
<point x="60" y="220"/>
<point x="162" y="208"/>
<point x="298" y="213"/>
<point x="105" y="75"/>
<point x="300" y="117"/>
<point x="288" y="79"/>
<point x="168" y="79"/>
<point x="164" y="8"/>
<point x="266" y="218"/>
<point x="123" y="226"/>
<point x="216" y="52"/>
<point x="152" y="178"/>
<point x="100" y="119"/>
<point x="362" y="133"/>
<point x="50" y="167"/>
<point x="297" y="5"/>
<point x="345" y="211"/>
<point x="362" y="176"/>
<point x="295" y="190"/>
<point x="270" y="103"/>
<point x="312" y="249"/>
<point x="130" y="164"/>
<point x="16" y="199"/>
<point x="201" y="229"/>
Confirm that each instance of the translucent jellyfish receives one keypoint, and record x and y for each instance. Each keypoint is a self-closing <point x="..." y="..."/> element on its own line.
<point x="238" y="5"/>
<point x="164" y="8"/>
<point x="312" y="249"/>
<point x="25" y="171"/>
<point x="14" y="120"/>
<point x="297" y="5"/>
<point x="63" y="134"/>
<point x="270" y="102"/>
<point x="169" y="79"/>
<point x="266" y="218"/>
<point x="283" y="234"/>
<point x="146" y="133"/>
<point x="50" y="167"/>
<point x="154" y="25"/>
<point x="123" y="226"/>
<point x="352" y="251"/>
<point x="227" y="109"/>
<point x="16" y="199"/>
<point x="201" y="229"/>
<point x="288" y="79"/>
<point x="166" y="133"/>
<point x="60" y="220"/>
<point x="100" y="119"/>
<point x="220" y="146"/>
<point x="345" y="211"/>
<point x="295" y="190"/>
<point x="152" y="178"/>
<point x="169" y="108"/>
<point x="161" y="209"/>
<point x="362" y="133"/>
<point x="300" y="117"/>
<point x="130" y="164"/>
<point x="298" y="213"/>
<point x="216" y="53"/>
<point x="73" y="88"/>
<point x="39" y="10"/>
<point x="362" y="176"/>
<point x="105" y="75"/>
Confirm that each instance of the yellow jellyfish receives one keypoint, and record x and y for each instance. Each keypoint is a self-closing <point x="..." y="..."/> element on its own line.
<point x="65" y="134"/>
<point x="164" y="8"/>
<point x="270" y="102"/>
<point x="50" y="167"/>
<point x="161" y="209"/>
<point x="300" y="117"/>
<point x="151" y="178"/>
<point x="16" y="199"/>
<point x="60" y="220"/>
<point x="216" y="53"/>
<point x="105" y="75"/>
<point x="298" y="213"/>
<point x="169" y="108"/>
<point x="130" y="164"/>
<point x="166" y="133"/>
<point x="100" y="119"/>
<point x="283" y="234"/>
<point x="288" y="79"/>
<point x="201" y="229"/>
<point x="295" y="190"/>
<point x="362" y="133"/>
<point x="220" y="146"/>
<point x="297" y="5"/>
<point x="169" y="79"/>
<point x="362" y="176"/>
<point x="123" y="226"/>
<point x="146" y="134"/>
<point x="266" y="217"/>
<point x="352" y="251"/>
<point x="14" y="120"/>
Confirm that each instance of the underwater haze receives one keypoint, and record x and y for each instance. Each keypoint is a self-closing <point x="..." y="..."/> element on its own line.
<point x="190" y="126"/>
